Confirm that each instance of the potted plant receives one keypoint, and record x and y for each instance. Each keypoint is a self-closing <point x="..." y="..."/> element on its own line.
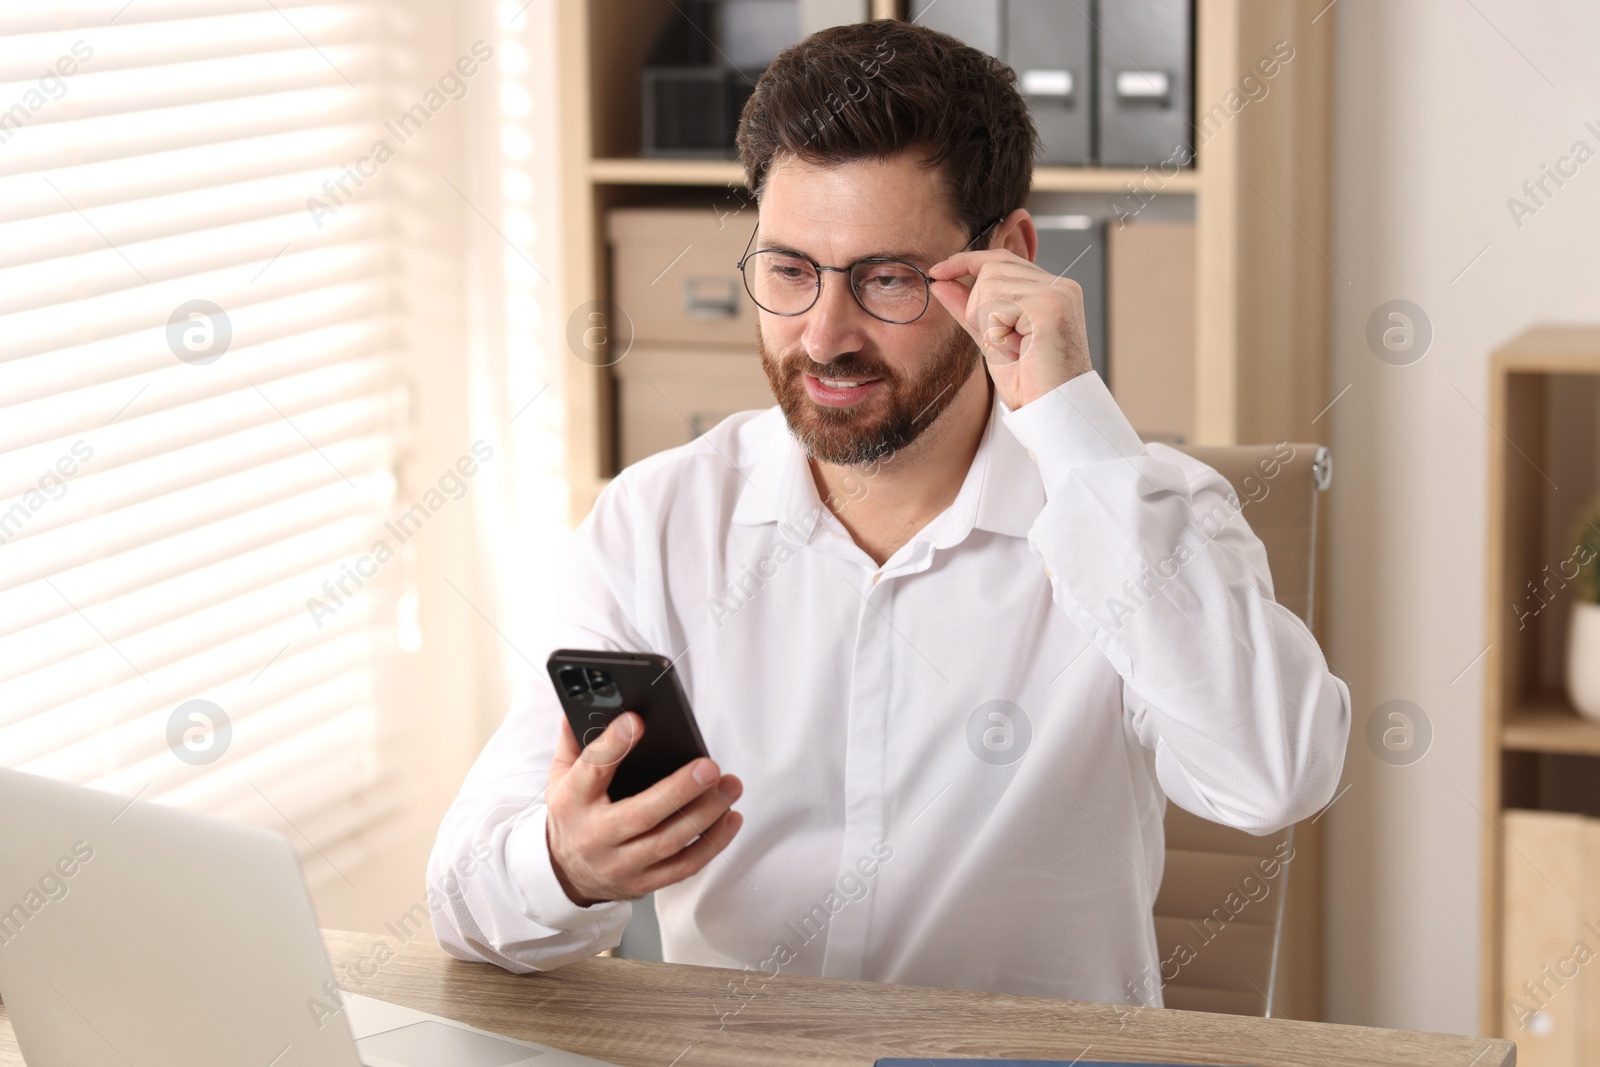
<point x="1583" y="628"/>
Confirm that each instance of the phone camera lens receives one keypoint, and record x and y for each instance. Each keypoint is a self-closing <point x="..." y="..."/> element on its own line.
<point x="604" y="686"/>
<point x="571" y="679"/>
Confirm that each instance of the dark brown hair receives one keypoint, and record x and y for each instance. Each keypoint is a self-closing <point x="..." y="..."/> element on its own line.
<point x="871" y="90"/>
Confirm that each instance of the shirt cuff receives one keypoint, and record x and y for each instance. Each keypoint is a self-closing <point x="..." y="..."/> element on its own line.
<point x="1075" y="424"/>
<point x="528" y="859"/>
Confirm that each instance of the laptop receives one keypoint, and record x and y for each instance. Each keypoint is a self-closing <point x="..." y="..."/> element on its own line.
<point x="136" y="933"/>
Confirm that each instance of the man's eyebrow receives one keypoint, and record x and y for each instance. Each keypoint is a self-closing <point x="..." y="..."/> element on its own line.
<point x="763" y="245"/>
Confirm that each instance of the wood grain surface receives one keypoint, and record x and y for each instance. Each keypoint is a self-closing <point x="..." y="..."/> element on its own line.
<point x="641" y="1014"/>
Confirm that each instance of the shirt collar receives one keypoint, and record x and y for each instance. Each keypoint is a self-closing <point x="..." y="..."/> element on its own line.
<point x="1002" y="491"/>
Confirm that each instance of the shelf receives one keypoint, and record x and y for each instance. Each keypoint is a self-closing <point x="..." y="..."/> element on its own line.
<point x="1112" y="180"/>
<point x="727" y="172"/>
<point x="1546" y="723"/>
<point x="1544" y="462"/>
<point x="622" y="171"/>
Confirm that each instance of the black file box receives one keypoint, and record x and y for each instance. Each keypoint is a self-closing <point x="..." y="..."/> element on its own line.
<point x="1049" y="43"/>
<point x="979" y="23"/>
<point x="693" y="112"/>
<point x="1075" y="246"/>
<point x="691" y="97"/>
<point x="1146" y="82"/>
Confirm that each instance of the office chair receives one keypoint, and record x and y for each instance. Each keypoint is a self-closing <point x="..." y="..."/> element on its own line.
<point x="1234" y="951"/>
<point x="1235" y="967"/>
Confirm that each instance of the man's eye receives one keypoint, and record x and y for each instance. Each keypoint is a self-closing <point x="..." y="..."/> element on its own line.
<point x="789" y="271"/>
<point x="890" y="279"/>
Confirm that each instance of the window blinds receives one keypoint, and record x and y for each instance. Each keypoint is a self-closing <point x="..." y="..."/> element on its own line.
<point x="200" y="411"/>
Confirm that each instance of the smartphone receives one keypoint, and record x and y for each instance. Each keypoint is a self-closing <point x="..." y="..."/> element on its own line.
<point x="596" y="686"/>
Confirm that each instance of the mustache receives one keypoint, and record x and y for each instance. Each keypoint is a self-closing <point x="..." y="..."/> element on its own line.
<point x="843" y="367"/>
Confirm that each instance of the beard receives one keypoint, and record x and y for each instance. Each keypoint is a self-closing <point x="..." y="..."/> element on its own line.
<point x="876" y="428"/>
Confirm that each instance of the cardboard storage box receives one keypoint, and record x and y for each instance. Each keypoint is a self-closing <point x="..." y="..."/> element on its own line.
<point x="1550" y="952"/>
<point x="1151" y="304"/>
<point x="669" y="396"/>
<point x="674" y="274"/>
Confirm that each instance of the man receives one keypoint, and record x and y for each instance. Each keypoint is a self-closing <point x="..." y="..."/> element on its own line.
<point x="958" y="632"/>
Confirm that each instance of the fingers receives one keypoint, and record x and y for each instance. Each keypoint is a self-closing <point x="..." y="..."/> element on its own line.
<point x="1012" y="305"/>
<point x="566" y="753"/>
<point x="674" y="833"/>
<point x="622" y="850"/>
<point x="643" y="812"/>
<point x="696" y="856"/>
<point x="999" y="325"/>
<point x="964" y="306"/>
<point x="591" y="771"/>
<point x="566" y="746"/>
<point x="969" y="263"/>
<point x="953" y="296"/>
<point x="992" y="301"/>
<point x="996" y="321"/>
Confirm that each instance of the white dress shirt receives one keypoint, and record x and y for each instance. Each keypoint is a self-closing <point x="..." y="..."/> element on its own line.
<point x="955" y="764"/>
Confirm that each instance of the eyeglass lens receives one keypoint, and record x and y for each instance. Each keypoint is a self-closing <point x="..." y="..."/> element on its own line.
<point x="786" y="284"/>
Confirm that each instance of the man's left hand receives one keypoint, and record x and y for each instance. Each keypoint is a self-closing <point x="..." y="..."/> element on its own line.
<point x="1028" y="322"/>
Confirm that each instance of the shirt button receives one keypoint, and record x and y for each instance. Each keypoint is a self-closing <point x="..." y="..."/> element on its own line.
<point x="1032" y="456"/>
<point x="875" y="578"/>
<point x="1047" y="572"/>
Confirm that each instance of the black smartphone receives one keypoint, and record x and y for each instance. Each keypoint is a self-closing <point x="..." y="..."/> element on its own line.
<point x="596" y="686"/>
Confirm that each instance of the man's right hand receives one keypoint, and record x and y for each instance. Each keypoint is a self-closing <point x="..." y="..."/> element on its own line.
<point x="621" y="850"/>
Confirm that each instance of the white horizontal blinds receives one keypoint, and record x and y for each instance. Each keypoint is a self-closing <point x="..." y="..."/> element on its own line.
<point x="199" y="415"/>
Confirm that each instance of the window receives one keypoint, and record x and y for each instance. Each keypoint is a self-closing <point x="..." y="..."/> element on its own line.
<point x="201" y="409"/>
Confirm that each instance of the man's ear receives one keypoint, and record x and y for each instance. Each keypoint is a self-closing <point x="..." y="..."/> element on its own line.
<point x="1016" y="234"/>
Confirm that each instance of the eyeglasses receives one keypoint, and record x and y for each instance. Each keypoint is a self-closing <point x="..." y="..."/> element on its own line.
<point x="788" y="283"/>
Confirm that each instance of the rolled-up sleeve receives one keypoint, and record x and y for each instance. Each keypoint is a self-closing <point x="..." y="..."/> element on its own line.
<point x="492" y="891"/>
<point x="1149" y="552"/>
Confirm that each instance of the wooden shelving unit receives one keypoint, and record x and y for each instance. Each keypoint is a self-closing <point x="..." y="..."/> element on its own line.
<point x="1259" y="194"/>
<point x="716" y="172"/>
<point x="1259" y="191"/>
<point x="1539" y="754"/>
<point x="1107" y="180"/>
<point x="625" y="171"/>
<point x="1545" y="722"/>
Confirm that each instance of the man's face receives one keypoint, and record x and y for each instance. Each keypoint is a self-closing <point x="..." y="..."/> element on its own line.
<point x="911" y="372"/>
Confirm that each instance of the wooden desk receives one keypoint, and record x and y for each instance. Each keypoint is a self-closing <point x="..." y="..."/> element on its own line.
<point x="664" y="1015"/>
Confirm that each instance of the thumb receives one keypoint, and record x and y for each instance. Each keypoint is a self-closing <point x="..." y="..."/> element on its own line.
<point x="954" y="297"/>
<point x="566" y="754"/>
<point x="594" y="767"/>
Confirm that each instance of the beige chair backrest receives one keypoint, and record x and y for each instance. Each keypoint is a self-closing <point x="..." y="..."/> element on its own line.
<point x="1219" y="914"/>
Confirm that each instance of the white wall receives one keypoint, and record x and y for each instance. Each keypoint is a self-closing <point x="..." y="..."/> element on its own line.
<point x="1443" y="108"/>
<point x="486" y="337"/>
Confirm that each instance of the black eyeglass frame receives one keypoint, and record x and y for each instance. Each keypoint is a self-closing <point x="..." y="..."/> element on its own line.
<point x="849" y="272"/>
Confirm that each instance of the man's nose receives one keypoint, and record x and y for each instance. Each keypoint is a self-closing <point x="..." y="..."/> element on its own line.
<point x="836" y="324"/>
